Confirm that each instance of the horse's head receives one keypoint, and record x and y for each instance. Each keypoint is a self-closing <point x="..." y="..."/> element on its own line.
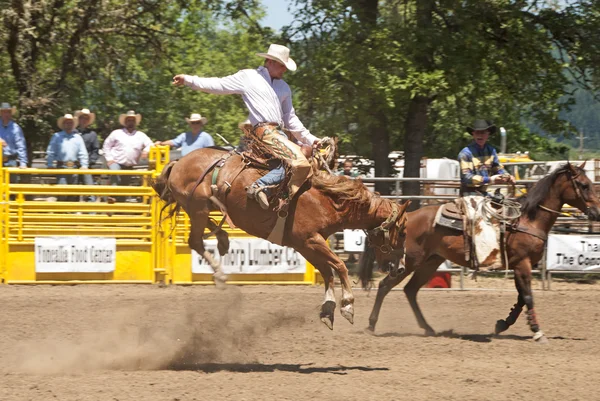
<point x="578" y="190"/>
<point x="388" y="239"/>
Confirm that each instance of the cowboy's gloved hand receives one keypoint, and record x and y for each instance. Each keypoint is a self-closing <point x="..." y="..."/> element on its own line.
<point x="3" y="142"/>
<point x="496" y="179"/>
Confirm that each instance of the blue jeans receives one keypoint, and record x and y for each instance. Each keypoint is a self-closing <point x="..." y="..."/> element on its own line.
<point x="14" y="178"/>
<point x="88" y="179"/>
<point x="274" y="176"/>
<point x="66" y="179"/>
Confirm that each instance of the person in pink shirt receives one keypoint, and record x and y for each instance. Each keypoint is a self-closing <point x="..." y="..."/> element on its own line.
<point x="124" y="147"/>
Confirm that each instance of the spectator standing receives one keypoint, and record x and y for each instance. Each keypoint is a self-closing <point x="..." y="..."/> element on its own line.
<point x="348" y="169"/>
<point x="194" y="139"/>
<point x="85" y="118"/>
<point x="12" y="140"/>
<point x="124" y="147"/>
<point x="68" y="150"/>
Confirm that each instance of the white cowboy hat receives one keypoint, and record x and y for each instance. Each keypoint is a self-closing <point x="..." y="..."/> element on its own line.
<point x="197" y="117"/>
<point x="62" y="119"/>
<point x="246" y="124"/>
<point x="280" y="54"/>
<point x="88" y="113"/>
<point x="7" y="106"/>
<point x="130" y="113"/>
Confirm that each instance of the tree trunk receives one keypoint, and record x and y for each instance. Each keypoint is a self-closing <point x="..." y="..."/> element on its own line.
<point x="415" y="126"/>
<point x="380" y="142"/>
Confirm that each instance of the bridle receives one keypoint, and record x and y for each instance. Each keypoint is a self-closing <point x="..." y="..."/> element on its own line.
<point x="384" y="229"/>
<point x="578" y="194"/>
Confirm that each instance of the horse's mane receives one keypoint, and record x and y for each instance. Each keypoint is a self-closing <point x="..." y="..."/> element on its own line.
<point x="351" y="193"/>
<point x="530" y="201"/>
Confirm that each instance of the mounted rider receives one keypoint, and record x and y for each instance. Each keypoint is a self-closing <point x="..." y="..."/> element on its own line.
<point x="269" y="101"/>
<point x="479" y="164"/>
<point x="480" y="167"/>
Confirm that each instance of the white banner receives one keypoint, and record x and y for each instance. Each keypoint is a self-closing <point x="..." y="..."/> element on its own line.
<point x="354" y="240"/>
<point x="573" y="252"/>
<point x="250" y="256"/>
<point x="75" y="254"/>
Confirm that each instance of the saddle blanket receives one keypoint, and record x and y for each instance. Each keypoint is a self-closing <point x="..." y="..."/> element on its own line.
<point x="482" y="229"/>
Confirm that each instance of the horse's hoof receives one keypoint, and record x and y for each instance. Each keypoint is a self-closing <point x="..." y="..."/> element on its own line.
<point x="370" y="330"/>
<point x="327" y="312"/>
<point x="430" y="333"/>
<point x="220" y="280"/>
<point x="328" y="320"/>
<point x="348" y="312"/>
<point x="501" y="326"/>
<point x="540" y="338"/>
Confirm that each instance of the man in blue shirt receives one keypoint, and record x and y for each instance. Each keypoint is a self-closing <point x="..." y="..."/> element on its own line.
<point x="12" y="140"/>
<point x="68" y="150"/>
<point x="192" y="140"/>
<point x="479" y="164"/>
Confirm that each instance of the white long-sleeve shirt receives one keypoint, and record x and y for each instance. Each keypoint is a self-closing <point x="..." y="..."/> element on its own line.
<point x="126" y="147"/>
<point x="267" y="100"/>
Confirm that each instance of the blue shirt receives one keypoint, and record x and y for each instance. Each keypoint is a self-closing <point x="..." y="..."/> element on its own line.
<point x="188" y="142"/>
<point x="12" y="134"/>
<point x="477" y="165"/>
<point x="65" y="147"/>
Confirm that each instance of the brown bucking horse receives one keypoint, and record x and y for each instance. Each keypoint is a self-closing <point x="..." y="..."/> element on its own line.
<point x="325" y="205"/>
<point x="427" y="245"/>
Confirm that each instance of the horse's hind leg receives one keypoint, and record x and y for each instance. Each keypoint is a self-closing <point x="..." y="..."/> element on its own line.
<point x="422" y="275"/>
<point x="199" y="221"/>
<point x="385" y="286"/>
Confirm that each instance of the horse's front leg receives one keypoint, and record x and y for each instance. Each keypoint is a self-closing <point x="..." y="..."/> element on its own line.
<point x="318" y="253"/>
<point x="523" y="281"/>
<point x="503" y="325"/>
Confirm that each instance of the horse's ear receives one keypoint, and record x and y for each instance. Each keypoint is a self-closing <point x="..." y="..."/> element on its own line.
<point x="403" y="206"/>
<point x="583" y="165"/>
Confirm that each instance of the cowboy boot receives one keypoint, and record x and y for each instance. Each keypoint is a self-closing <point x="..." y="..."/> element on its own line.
<point x="258" y="194"/>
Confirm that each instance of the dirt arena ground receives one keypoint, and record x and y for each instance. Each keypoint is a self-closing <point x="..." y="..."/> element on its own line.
<point x="110" y="342"/>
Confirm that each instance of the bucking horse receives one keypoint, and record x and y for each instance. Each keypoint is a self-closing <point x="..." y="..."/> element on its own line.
<point x="213" y="179"/>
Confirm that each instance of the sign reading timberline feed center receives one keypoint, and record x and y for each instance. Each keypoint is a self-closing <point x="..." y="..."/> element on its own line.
<point x="251" y="256"/>
<point x="75" y="254"/>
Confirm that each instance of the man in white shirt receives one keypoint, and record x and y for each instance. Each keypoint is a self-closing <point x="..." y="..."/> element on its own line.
<point x="124" y="147"/>
<point x="269" y="101"/>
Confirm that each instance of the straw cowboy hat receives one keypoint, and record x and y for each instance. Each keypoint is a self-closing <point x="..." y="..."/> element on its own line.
<point x="197" y="117"/>
<point x="482" y="125"/>
<point x="281" y="54"/>
<point x="86" y="112"/>
<point x="7" y="106"/>
<point x="62" y="119"/>
<point x="130" y="113"/>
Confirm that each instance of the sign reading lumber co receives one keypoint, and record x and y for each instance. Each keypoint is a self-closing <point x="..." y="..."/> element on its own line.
<point x="75" y="254"/>
<point x="251" y="256"/>
<point x="573" y="252"/>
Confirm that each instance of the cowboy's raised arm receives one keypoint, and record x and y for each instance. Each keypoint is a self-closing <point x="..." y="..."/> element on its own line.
<point x="293" y="123"/>
<point x="232" y="84"/>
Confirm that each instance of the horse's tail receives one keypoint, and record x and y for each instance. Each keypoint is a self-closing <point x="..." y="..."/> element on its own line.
<point x="162" y="189"/>
<point x="365" y="267"/>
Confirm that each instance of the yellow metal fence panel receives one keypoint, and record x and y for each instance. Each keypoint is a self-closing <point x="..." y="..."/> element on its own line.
<point x="148" y="249"/>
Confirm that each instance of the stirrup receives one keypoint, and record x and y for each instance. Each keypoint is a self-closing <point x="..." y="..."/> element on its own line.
<point x="257" y="193"/>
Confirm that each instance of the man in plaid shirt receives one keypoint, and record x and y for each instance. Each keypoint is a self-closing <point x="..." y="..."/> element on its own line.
<point x="479" y="164"/>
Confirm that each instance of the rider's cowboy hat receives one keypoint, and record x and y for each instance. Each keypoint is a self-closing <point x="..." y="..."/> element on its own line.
<point x="197" y="117"/>
<point x="62" y="119"/>
<point x="130" y="113"/>
<point x="281" y="54"/>
<point x="86" y="112"/>
<point x="482" y="125"/>
<point x="7" y="106"/>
